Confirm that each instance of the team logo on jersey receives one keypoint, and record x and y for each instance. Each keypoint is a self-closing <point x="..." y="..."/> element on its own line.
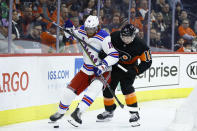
<point x="125" y="58"/>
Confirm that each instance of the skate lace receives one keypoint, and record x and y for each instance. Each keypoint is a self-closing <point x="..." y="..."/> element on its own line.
<point x="57" y="114"/>
<point x="134" y="116"/>
<point x="105" y="113"/>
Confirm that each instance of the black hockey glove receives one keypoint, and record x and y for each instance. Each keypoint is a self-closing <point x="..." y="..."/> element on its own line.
<point x="102" y="54"/>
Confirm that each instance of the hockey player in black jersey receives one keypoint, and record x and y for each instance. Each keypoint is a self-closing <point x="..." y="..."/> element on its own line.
<point x="130" y="48"/>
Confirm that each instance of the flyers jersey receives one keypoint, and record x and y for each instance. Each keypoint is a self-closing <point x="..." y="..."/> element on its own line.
<point x="130" y="53"/>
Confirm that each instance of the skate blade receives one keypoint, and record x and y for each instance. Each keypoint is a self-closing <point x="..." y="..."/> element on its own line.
<point x="73" y="122"/>
<point x="54" y="124"/>
<point x="104" y="120"/>
<point x="135" y="124"/>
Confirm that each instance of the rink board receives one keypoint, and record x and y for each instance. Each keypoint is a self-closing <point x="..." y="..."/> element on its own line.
<point x="31" y="86"/>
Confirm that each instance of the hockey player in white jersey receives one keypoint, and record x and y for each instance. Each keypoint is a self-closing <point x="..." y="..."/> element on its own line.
<point x="89" y="76"/>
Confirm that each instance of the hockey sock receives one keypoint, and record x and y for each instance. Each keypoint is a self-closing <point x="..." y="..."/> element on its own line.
<point x="66" y="100"/>
<point x="92" y="91"/>
<point x="131" y="100"/>
<point x="109" y="104"/>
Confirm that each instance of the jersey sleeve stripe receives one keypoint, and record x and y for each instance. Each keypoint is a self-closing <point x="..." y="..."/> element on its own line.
<point x="82" y="32"/>
<point x="114" y="54"/>
<point x="98" y="38"/>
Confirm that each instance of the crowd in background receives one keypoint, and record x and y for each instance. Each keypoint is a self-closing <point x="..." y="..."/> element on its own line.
<point x="29" y="21"/>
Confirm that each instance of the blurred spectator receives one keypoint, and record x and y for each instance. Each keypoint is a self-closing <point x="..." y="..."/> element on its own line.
<point x="177" y="14"/>
<point x="187" y="47"/>
<point x="64" y="16"/>
<point x="26" y="19"/>
<point x="142" y="10"/>
<point x="91" y="5"/>
<point x="75" y="22"/>
<point x="153" y="35"/>
<point x="48" y="38"/>
<point x="115" y="25"/>
<point x="185" y="31"/>
<point x="35" y="33"/>
<point x="74" y="11"/>
<point x="4" y="32"/>
<point x="108" y="8"/>
<point x="46" y="9"/>
<point x="121" y="6"/>
<point x="17" y="31"/>
<point x="94" y="12"/>
<point x="182" y="17"/>
<point x="159" y="23"/>
<point x="179" y="44"/>
<point x="135" y="21"/>
<point x="167" y="15"/>
<point x="159" y="5"/>
<point x="4" y="42"/>
<point x="133" y="4"/>
<point x="159" y="42"/>
<point x="4" y="12"/>
<point x="141" y="34"/>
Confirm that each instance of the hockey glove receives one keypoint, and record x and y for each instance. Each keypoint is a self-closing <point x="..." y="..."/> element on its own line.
<point x="102" y="54"/>
<point x="100" y="69"/>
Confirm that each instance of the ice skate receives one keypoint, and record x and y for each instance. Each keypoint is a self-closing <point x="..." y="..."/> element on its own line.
<point x="134" y="119"/>
<point x="55" y="117"/>
<point x="75" y="118"/>
<point x="105" y="116"/>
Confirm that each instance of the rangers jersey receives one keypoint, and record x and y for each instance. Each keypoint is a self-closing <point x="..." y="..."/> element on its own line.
<point x="101" y="41"/>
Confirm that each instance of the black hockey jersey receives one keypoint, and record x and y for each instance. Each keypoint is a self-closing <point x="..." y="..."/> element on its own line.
<point x="130" y="53"/>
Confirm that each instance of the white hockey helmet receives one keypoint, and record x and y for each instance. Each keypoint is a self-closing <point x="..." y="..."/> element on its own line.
<point x="91" y="24"/>
<point x="91" y="21"/>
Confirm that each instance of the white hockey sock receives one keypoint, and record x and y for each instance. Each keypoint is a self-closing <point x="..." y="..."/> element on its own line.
<point x="67" y="98"/>
<point x="92" y="91"/>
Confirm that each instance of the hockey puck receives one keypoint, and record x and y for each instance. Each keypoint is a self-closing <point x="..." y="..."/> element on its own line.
<point x="57" y="126"/>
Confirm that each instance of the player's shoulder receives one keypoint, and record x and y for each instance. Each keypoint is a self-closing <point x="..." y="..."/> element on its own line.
<point x="140" y="43"/>
<point x="101" y="35"/>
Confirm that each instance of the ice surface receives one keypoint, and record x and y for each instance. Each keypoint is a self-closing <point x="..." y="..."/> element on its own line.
<point x="155" y="116"/>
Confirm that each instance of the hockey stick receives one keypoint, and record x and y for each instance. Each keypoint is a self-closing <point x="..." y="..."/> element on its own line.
<point x="111" y="91"/>
<point x="81" y="43"/>
<point x="80" y="40"/>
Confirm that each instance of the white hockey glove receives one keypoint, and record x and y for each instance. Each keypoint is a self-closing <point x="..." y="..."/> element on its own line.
<point x="100" y="69"/>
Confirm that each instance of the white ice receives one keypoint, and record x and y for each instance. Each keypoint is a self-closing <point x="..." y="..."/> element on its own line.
<point x="155" y="116"/>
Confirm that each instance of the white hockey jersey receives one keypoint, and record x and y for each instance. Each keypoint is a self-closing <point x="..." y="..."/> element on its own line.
<point x="101" y="41"/>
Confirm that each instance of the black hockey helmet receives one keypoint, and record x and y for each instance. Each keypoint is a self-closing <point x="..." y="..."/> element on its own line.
<point x="128" y="30"/>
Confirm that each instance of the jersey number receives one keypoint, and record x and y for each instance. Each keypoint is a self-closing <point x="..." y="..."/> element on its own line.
<point x="148" y="55"/>
<point x="110" y="45"/>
